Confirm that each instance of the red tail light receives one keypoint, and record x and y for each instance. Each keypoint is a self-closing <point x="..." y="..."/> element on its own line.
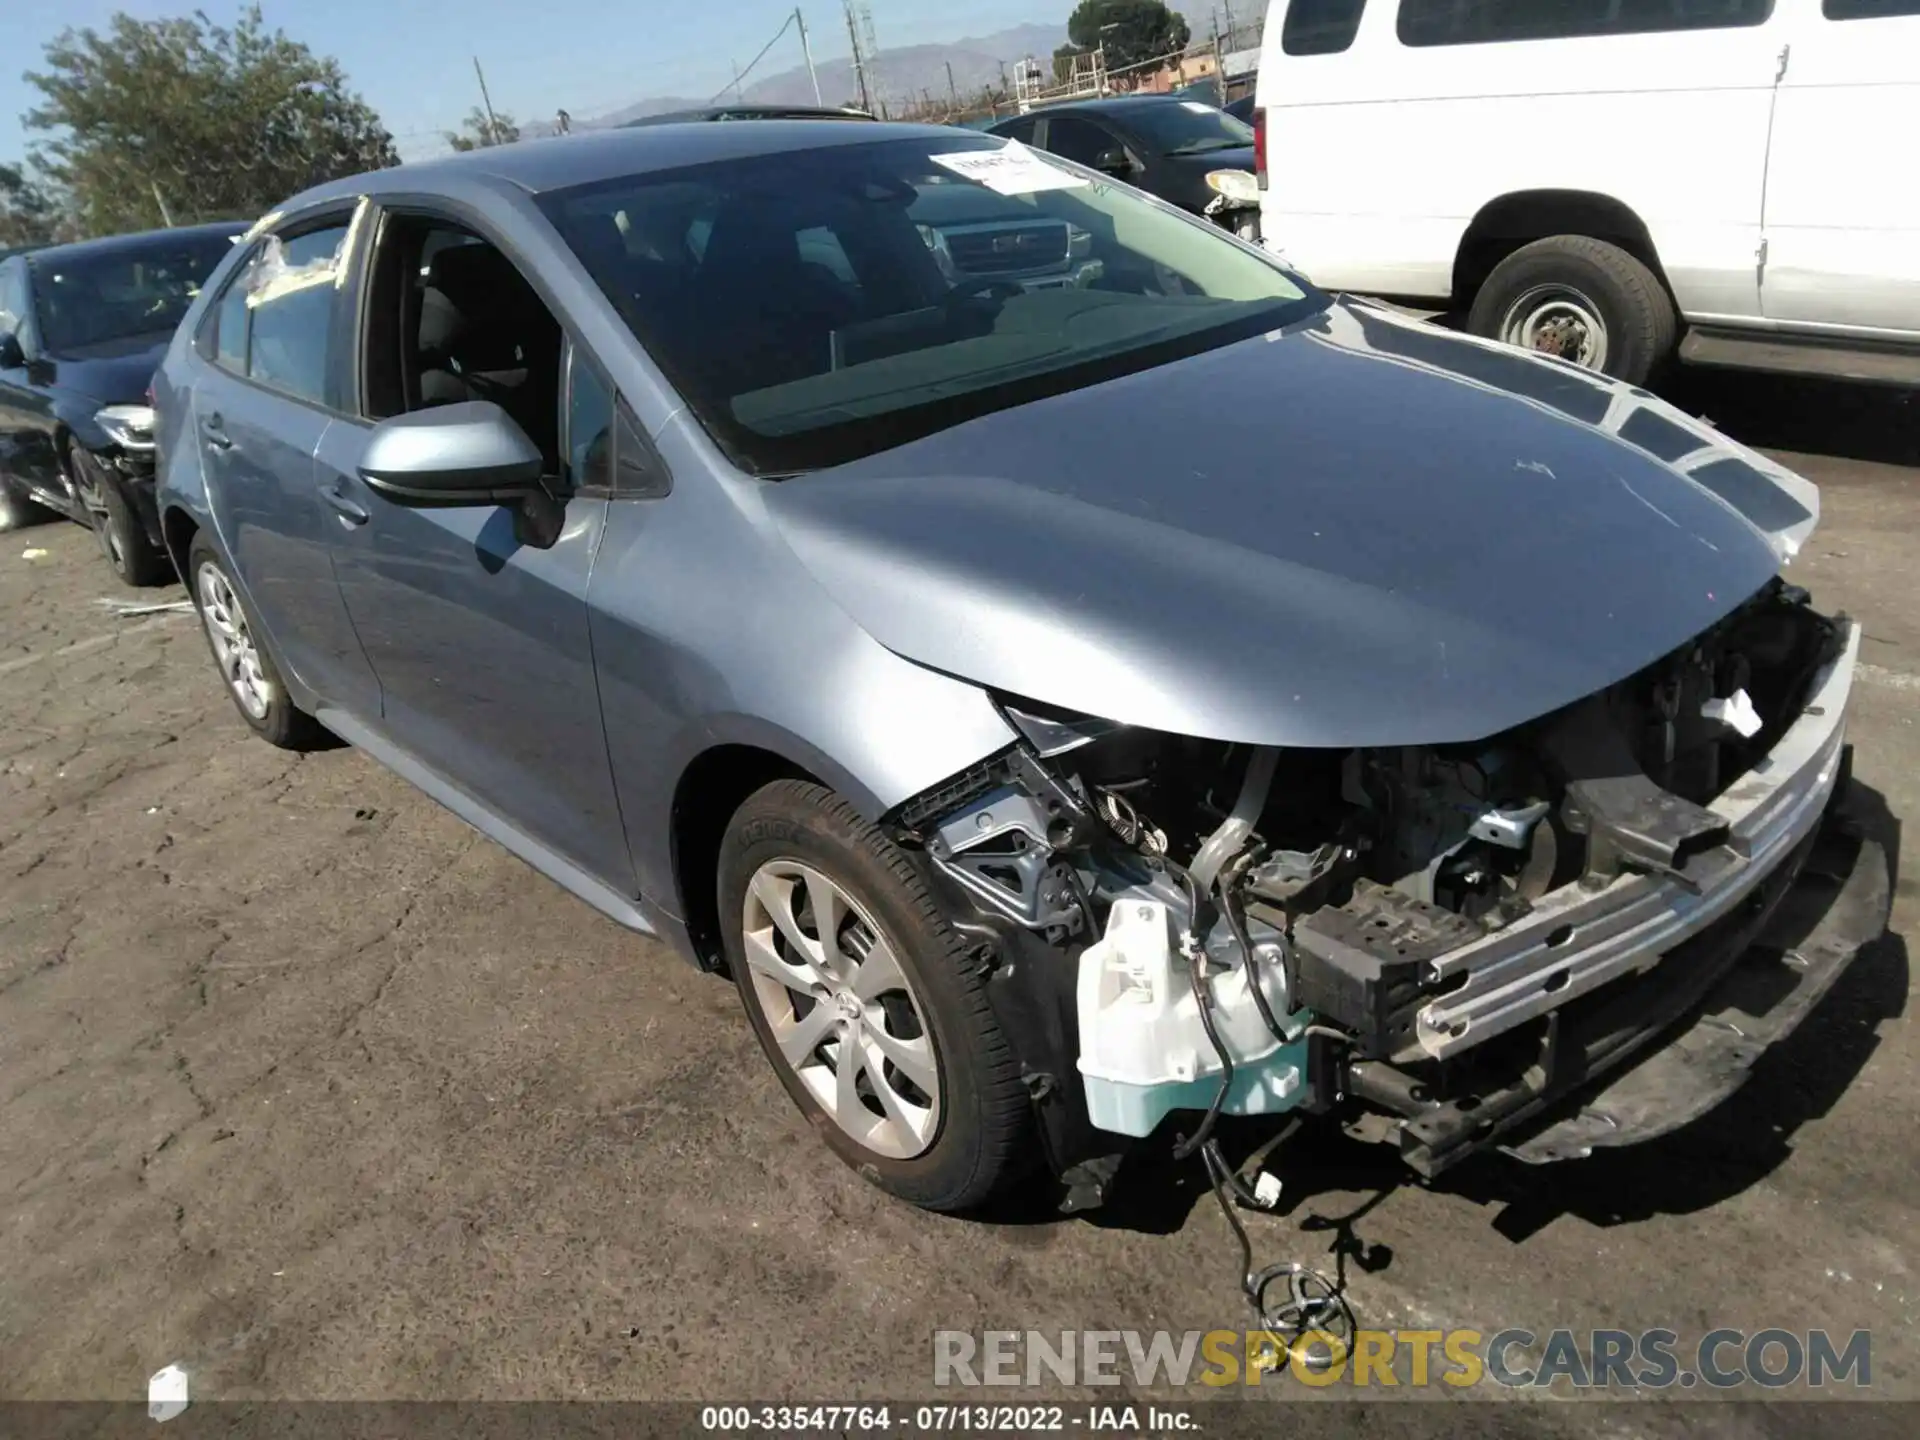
<point x="1260" y="146"/>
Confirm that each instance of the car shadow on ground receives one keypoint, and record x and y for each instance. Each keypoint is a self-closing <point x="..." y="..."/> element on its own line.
<point x="1803" y="414"/>
<point x="1331" y="1182"/>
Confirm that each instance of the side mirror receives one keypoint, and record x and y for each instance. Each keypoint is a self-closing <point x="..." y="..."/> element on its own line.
<point x="466" y="454"/>
<point x="12" y="357"/>
<point x="1114" y="162"/>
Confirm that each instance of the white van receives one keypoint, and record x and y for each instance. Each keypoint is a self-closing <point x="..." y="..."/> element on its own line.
<point x="1608" y="180"/>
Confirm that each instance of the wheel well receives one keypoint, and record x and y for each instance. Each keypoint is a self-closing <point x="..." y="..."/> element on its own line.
<point x="711" y="789"/>
<point x="177" y="528"/>
<point x="1504" y="225"/>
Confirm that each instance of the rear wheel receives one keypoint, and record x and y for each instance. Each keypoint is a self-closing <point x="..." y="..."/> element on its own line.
<point x="1582" y="300"/>
<point x="870" y="1006"/>
<point x="252" y="681"/>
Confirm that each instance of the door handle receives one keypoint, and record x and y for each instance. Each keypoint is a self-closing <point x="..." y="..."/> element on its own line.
<point x="215" y="429"/>
<point x="351" y="513"/>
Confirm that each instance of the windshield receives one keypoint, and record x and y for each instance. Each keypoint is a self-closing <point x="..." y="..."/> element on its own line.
<point x="131" y="290"/>
<point x="1188" y="127"/>
<point x="815" y="306"/>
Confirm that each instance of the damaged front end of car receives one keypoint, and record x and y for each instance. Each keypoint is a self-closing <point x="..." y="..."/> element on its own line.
<point x="1447" y="947"/>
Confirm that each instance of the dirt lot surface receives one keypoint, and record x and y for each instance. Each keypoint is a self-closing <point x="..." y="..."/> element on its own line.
<point x="309" y="1088"/>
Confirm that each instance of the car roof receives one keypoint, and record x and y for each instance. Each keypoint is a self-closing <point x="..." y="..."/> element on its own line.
<point x="562" y="161"/>
<point x="749" y="112"/>
<point x="108" y="245"/>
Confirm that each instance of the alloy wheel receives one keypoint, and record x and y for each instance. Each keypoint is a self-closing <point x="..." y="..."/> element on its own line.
<point x="233" y="643"/>
<point x="843" y="1014"/>
<point x="1557" y="320"/>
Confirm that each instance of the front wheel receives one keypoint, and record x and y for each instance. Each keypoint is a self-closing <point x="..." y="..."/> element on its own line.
<point x="870" y="1006"/>
<point x="124" y="543"/>
<point x="1582" y="300"/>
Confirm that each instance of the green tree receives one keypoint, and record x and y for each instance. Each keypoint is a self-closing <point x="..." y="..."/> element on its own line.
<point x="30" y="214"/>
<point x="185" y="120"/>
<point x="477" y="132"/>
<point x="1131" y="31"/>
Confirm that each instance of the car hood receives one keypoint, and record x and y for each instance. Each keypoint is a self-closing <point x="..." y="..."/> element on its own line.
<point x="1356" y="531"/>
<point x="115" y="373"/>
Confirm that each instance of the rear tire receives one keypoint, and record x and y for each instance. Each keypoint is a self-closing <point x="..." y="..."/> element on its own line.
<point x="1581" y="298"/>
<point x="952" y="1126"/>
<point x="252" y="680"/>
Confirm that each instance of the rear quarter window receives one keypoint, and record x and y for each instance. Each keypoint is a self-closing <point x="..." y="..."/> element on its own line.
<point x="1481" y="22"/>
<point x="1320" y="27"/>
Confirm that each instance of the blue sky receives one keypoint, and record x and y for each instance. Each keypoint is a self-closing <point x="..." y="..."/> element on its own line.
<point x="411" y="59"/>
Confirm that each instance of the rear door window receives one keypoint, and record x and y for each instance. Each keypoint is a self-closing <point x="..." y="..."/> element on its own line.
<point x="230" y="326"/>
<point x="291" y="288"/>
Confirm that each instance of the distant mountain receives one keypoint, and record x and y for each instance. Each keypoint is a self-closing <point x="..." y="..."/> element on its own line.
<point x="909" y="71"/>
<point x="904" y="73"/>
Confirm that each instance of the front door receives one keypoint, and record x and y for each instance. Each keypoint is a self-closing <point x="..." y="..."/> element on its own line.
<point x="265" y="400"/>
<point x="1843" y="229"/>
<point x="477" y="632"/>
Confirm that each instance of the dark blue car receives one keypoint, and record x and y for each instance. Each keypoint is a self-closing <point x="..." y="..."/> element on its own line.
<point x="82" y="327"/>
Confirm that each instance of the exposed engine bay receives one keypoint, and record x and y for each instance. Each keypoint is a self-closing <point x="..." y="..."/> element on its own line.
<point x="1401" y="933"/>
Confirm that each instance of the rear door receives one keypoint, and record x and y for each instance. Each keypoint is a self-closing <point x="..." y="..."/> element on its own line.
<point x="268" y="392"/>
<point x="1842" y="212"/>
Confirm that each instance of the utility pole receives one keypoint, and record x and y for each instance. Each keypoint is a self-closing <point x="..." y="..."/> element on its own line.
<point x="1219" y="70"/>
<point x="493" y="125"/>
<point x="859" y="61"/>
<point x="807" y="50"/>
<point x="953" y="91"/>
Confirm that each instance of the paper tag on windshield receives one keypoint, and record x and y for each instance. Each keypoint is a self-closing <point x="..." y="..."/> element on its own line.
<point x="1011" y="170"/>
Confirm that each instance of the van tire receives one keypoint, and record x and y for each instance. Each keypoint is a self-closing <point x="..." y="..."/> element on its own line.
<point x="1574" y="276"/>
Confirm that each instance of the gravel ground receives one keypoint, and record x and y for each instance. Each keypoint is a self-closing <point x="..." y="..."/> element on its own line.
<point x="306" y="1086"/>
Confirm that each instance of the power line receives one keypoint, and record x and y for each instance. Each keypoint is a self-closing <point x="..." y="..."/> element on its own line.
<point x="785" y="25"/>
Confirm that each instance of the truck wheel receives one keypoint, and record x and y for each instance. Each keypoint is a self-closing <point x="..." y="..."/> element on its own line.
<point x="1582" y="300"/>
<point x="869" y="1004"/>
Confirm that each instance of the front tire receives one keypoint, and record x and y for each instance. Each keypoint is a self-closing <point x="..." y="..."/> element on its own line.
<point x="1583" y="300"/>
<point x="870" y="1006"/>
<point x="133" y="557"/>
<point x="253" y="681"/>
